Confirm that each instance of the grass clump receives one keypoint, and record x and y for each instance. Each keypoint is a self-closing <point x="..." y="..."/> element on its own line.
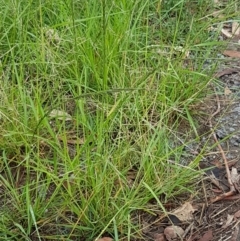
<point x="90" y="93"/>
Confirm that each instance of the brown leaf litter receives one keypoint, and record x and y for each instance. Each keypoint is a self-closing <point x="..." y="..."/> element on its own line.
<point x="214" y="214"/>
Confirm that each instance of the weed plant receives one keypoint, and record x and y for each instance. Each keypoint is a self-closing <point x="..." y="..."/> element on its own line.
<point x="91" y="93"/>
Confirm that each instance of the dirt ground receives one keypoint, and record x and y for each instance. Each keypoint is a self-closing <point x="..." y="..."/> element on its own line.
<point x="214" y="213"/>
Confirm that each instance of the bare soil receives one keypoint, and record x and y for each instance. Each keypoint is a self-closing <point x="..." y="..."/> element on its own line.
<point x="212" y="220"/>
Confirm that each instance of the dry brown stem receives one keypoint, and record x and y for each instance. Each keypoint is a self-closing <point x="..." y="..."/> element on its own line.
<point x="231" y="185"/>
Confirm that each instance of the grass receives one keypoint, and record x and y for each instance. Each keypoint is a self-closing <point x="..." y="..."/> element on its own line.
<point x="91" y="94"/>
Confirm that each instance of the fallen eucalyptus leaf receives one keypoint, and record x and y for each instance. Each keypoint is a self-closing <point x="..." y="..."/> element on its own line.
<point x="235" y="28"/>
<point x="105" y="239"/>
<point x="227" y="91"/>
<point x="237" y="214"/>
<point x="185" y="213"/>
<point x="208" y="236"/>
<point x="60" y="115"/>
<point x="232" y="53"/>
<point x="226" y="72"/>
<point x="226" y="33"/>
<point x="229" y="221"/>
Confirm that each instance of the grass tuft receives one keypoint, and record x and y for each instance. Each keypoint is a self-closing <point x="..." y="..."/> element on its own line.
<point x="121" y="75"/>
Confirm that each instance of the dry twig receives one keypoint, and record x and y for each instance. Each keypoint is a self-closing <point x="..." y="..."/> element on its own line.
<point x="232" y="188"/>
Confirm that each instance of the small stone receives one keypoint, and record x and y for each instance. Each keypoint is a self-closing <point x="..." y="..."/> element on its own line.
<point x="229" y="156"/>
<point x="220" y="134"/>
<point x="236" y="109"/>
<point x="159" y="237"/>
<point x="173" y="232"/>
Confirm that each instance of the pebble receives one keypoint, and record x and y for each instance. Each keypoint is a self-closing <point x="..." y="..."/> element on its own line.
<point x="236" y="109"/>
